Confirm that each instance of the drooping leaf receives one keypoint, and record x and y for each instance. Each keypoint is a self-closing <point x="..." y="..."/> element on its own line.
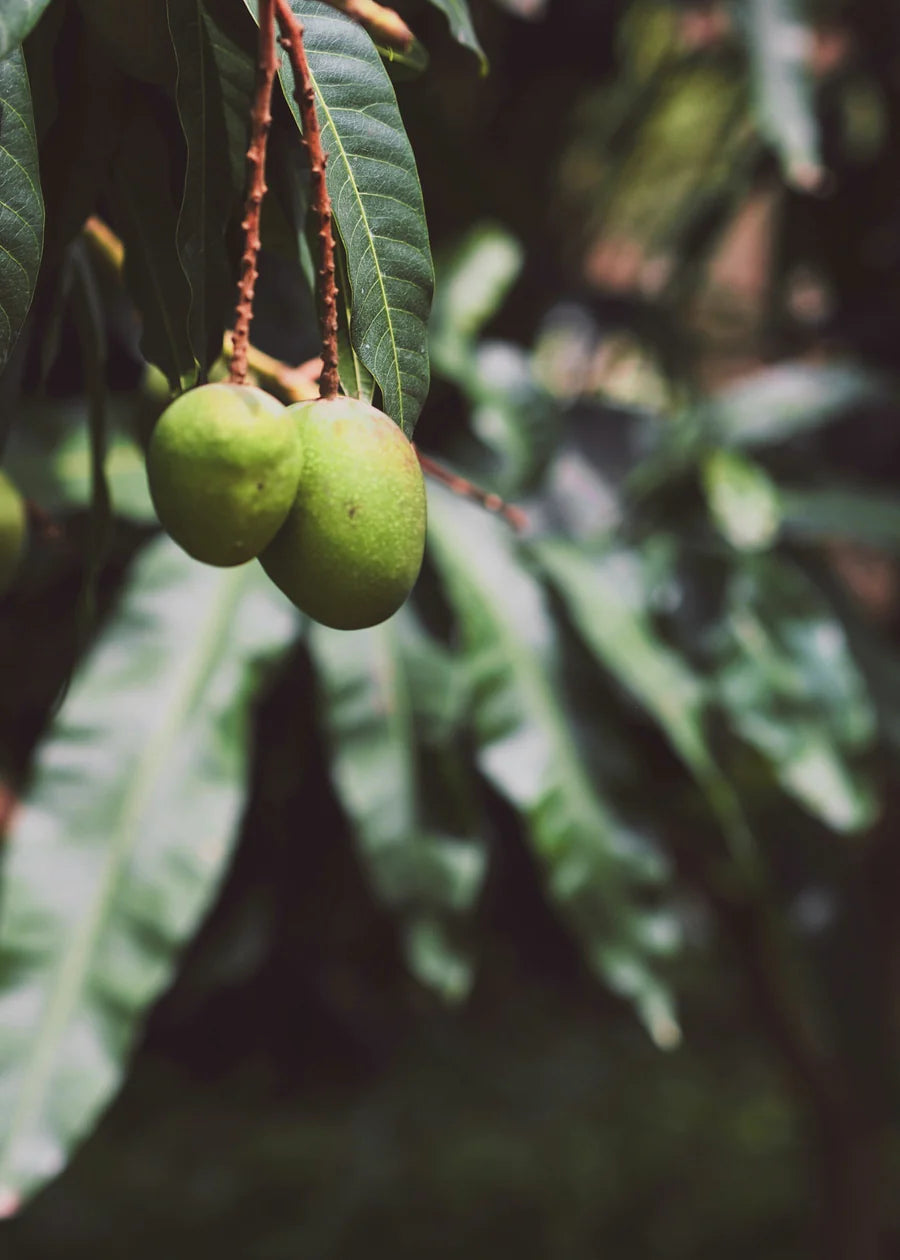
<point x="596" y="868"/>
<point x="838" y="512"/>
<point x="779" y="41"/>
<point x="146" y="219"/>
<point x="461" y="27"/>
<point x="789" y="684"/>
<point x="377" y="201"/>
<point x="121" y="842"/>
<point x="213" y="97"/>
<point x="21" y="205"/>
<point x="793" y="398"/>
<point x="17" y="18"/>
<point x="373" y="686"/>
<point x="606" y="599"/>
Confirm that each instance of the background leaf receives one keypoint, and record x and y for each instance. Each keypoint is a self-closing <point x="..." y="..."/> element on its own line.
<point x="214" y="111"/>
<point x="21" y="205"/>
<point x="17" y="18"/>
<point x="146" y="218"/>
<point x="461" y="27"/>
<point x="377" y="202"/>
<point x="121" y="843"/>
<point x="595" y="867"/>
<point x="381" y="692"/>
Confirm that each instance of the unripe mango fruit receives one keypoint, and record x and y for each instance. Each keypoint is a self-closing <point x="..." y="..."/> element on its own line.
<point x="351" y="548"/>
<point x="13" y="529"/>
<point x="223" y="464"/>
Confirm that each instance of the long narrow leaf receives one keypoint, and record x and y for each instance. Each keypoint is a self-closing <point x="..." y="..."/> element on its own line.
<point x="379" y="688"/>
<point x="121" y="843"/>
<point x="595" y="868"/>
<point x="461" y="27"/>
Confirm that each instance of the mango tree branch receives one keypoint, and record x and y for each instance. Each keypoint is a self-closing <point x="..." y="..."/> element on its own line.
<point x="305" y="96"/>
<point x="267" y="67"/>
<point x="468" y="490"/>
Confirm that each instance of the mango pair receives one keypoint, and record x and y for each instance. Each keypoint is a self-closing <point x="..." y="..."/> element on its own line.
<point x="328" y="494"/>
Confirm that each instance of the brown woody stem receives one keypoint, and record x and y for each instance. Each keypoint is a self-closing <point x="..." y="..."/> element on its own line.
<point x="382" y="23"/>
<point x="468" y="490"/>
<point x="305" y="96"/>
<point x="267" y="67"/>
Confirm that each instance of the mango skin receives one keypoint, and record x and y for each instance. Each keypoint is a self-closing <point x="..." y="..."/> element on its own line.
<point x="223" y="465"/>
<point x="350" y="551"/>
<point x="13" y="531"/>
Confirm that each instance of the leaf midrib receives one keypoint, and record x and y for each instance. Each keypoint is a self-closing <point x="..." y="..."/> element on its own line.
<point x="75" y="964"/>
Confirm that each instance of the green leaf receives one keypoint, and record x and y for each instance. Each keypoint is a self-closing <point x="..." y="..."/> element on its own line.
<point x="17" y="18"/>
<point x="146" y="219"/>
<point x="461" y="27"/>
<point x="121" y="842"/>
<point x="472" y="284"/>
<point x="373" y="685"/>
<point x="377" y="203"/>
<point x="596" y="868"/>
<point x="213" y="99"/>
<point x="606" y="598"/>
<point x="21" y="205"/>
<point x="842" y="512"/>
<point x="743" y="500"/>
<point x="794" y="398"/>
<point x="791" y="688"/>
<point x="779" y="43"/>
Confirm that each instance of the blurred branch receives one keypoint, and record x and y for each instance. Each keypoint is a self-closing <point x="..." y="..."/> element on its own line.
<point x="384" y="25"/>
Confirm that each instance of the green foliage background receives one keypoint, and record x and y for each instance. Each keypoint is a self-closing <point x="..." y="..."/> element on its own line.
<point x="557" y="916"/>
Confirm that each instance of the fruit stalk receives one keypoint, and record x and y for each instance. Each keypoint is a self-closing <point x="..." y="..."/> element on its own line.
<point x="305" y="96"/>
<point x="261" y="119"/>
<point x="468" y="490"/>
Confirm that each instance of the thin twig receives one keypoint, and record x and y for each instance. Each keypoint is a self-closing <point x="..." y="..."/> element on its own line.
<point x="267" y="68"/>
<point x="468" y="490"/>
<point x="305" y="96"/>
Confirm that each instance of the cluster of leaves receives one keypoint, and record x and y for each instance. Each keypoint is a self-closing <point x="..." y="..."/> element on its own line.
<point x="669" y="593"/>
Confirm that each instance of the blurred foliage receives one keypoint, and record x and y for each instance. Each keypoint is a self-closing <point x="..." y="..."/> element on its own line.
<point x="640" y="757"/>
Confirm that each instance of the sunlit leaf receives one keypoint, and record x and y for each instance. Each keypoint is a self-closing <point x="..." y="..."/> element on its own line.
<point x="21" y="205"/>
<point x="743" y="500"/>
<point x="780" y="45"/>
<point x="121" y="843"/>
<point x="781" y="402"/>
<point x="471" y="286"/>
<point x="595" y="866"/>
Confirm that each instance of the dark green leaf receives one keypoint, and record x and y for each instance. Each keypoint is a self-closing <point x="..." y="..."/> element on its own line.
<point x="460" y="19"/>
<point x="146" y="219"/>
<point x="214" y="108"/>
<point x="595" y="866"/>
<point x="17" y="18"/>
<point x="860" y="515"/>
<point x="121" y="843"/>
<point x="21" y="206"/>
<point x="377" y="202"/>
